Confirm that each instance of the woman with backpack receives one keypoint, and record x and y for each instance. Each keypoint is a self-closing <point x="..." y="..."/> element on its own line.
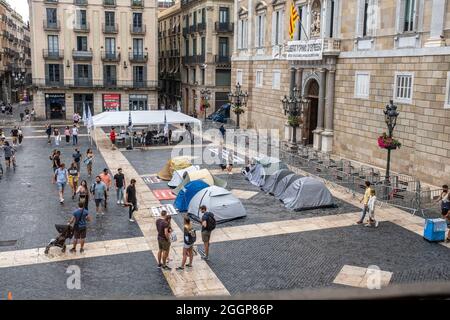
<point x="189" y="240"/>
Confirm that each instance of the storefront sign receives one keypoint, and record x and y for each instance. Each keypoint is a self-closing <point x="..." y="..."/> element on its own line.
<point x="111" y="102"/>
<point x="304" y="50"/>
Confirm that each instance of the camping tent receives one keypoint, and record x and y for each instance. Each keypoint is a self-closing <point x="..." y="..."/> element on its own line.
<point x="202" y="174"/>
<point x="284" y="184"/>
<point x="256" y="175"/>
<point x="221" y="202"/>
<point x="307" y="193"/>
<point x="172" y="165"/>
<point x="264" y="168"/>
<point x="178" y="176"/>
<point x="271" y="183"/>
<point x="187" y="193"/>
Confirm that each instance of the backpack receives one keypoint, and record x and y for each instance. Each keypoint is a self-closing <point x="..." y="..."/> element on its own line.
<point x="191" y="237"/>
<point x="210" y="222"/>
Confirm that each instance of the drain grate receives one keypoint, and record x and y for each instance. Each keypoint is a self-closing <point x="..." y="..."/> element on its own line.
<point x="8" y="243"/>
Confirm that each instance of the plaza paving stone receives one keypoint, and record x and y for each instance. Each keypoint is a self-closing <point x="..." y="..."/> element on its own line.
<point x="313" y="259"/>
<point x="119" y="276"/>
<point x="29" y="205"/>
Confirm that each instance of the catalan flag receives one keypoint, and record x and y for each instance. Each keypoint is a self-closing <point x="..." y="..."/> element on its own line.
<point x="292" y="20"/>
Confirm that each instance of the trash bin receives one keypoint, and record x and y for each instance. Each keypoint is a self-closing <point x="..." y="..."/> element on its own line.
<point x="434" y="230"/>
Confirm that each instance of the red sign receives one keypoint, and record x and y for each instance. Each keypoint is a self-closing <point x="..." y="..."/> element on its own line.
<point x="164" y="194"/>
<point x="111" y="102"/>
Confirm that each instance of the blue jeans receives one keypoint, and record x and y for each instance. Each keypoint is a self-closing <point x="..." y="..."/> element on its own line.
<point x="119" y="193"/>
<point x="364" y="212"/>
<point x="75" y="139"/>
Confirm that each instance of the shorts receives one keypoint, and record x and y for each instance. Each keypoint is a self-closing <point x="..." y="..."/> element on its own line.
<point x="187" y="246"/>
<point x="98" y="202"/>
<point x="79" y="233"/>
<point x="444" y="211"/>
<point x="7" y="158"/>
<point x="206" y="235"/>
<point x="61" y="185"/>
<point x="113" y="141"/>
<point x="164" y="245"/>
<point x="73" y="179"/>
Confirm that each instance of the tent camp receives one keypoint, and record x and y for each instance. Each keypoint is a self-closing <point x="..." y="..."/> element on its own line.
<point x="172" y="165"/>
<point x="284" y="184"/>
<point x="271" y="183"/>
<point x="221" y="202"/>
<point x="256" y="175"/>
<point x="264" y="168"/>
<point x="203" y="175"/>
<point x="307" y="193"/>
<point x="178" y="176"/>
<point x="186" y="194"/>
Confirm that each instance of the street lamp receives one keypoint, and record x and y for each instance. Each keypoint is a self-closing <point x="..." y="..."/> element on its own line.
<point x="390" y="117"/>
<point x="238" y="100"/>
<point x="294" y="106"/>
<point x="205" y="94"/>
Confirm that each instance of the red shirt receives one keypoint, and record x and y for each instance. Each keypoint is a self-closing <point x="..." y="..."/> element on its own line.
<point x="112" y="135"/>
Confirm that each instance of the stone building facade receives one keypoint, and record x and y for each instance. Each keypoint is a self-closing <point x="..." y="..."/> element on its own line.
<point x="371" y="51"/>
<point x="97" y="54"/>
<point x="15" y="66"/>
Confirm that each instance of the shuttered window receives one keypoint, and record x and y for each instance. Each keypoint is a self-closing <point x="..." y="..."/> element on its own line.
<point x="362" y="84"/>
<point x="403" y="89"/>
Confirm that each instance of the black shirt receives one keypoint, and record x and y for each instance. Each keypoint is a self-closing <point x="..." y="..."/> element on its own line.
<point x="119" y="177"/>
<point x="76" y="157"/>
<point x="131" y="194"/>
<point x="14" y="132"/>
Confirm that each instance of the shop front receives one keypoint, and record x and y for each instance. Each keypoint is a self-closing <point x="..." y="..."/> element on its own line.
<point x="138" y="102"/>
<point x="111" y="102"/>
<point x="55" y="105"/>
<point x="82" y="101"/>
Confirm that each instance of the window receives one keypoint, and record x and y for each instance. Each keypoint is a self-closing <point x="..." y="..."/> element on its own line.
<point x="138" y="47"/>
<point x="203" y="15"/>
<point x="276" y="80"/>
<point x="110" y="45"/>
<point x="186" y="47"/>
<point x="239" y="76"/>
<point x="110" y="18"/>
<point x="365" y="21"/>
<point x="203" y="76"/>
<point x="194" y="46"/>
<point x="260" y="31"/>
<point x="53" y="45"/>
<point x="447" y="96"/>
<point x="223" y="47"/>
<point x="331" y="18"/>
<point x="277" y="27"/>
<point x="223" y="15"/>
<point x="138" y="74"/>
<point x="51" y="16"/>
<point x="81" y="18"/>
<point x="223" y="78"/>
<point x="194" y="18"/>
<point x="82" y="71"/>
<point x="110" y="75"/>
<point x="203" y="46"/>
<point x="81" y="43"/>
<point x="362" y="85"/>
<point x="259" y="78"/>
<point x="53" y="73"/>
<point x="403" y="89"/>
<point x="367" y="18"/>
<point x="409" y="14"/>
<point x="137" y="20"/>
<point x="242" y="34"/>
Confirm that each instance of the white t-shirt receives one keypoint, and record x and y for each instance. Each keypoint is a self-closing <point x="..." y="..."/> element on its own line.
<point x="74" y="131"/>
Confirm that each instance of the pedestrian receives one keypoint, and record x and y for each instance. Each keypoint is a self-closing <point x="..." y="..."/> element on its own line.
<point x="371" y="207"/>
<point x="8" y="152"/>
<point x="112" y="137"/>
<point x="189" y="238"/>
<point x="119" y="181"/>
<point x="48" y="131"/>
<point x="444" y="198"/>
<point x="22" y="115"/>
<point x="74" y="176"/>
<point x="83" y="193"/>
<point x="88" y="161"/>
<point x="20" y="135"/>
<point x="3" y="108"/>
<point x="67" y="134"/>
<point x="57" y="136"/>
<point x="33" y="114"/>
<point x="230" y="162"/>
<point x="15" y="136"/>
<point x="75" y="135"/>
<point x="98" y="190"/>
<point x="222" y="131"/>
<point x="56" y="159"/>
<point x="77" y="158"/>
<point x="61" y="178"/>
<point x="365" y="201"/>
<point x="208" y="225"/>
<point x="162" y="227"/>
<point x="131" y="199"/>
<point x="79" y="219"/>
<point x="106" y="179"/>
<point x="76" y="118"/>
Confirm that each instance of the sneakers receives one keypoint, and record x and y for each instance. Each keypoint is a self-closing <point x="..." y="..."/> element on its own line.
<point x="205" y="258"/>
<point x="131" y="220"/>
<point x="180" y="268"/>
<point x="159" y="265"/>
<point x="73" y="250"/>
<point x="61" y="200"/>
<point x="359" y="222"/>
<point x="81" y="250"/>
<point x="166" y="267"/>
<point x="118" y="202"/>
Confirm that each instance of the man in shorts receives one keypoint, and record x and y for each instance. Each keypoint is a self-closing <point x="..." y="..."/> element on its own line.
<point x="208" y="225"/>
<point x="61" y="177"/>
<point x="162" y="226"/>
<point x="77" y="158"/>
<point x="98" y="190"/>
<point x="15" y="136"/>
<point x="80" y="217"/>
<point x="106" y="179"/>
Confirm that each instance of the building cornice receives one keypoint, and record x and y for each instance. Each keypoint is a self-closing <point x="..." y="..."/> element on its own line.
<point x="409" y="52"/>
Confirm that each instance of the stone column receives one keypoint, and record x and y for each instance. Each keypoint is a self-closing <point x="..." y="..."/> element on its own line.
<point x="298" y="84"/>
<point x="299" y="79"/>
<point x="327" y="135"/>
<point x="292" y="81"/>
<point x="438" y="12"/>
<point x="320" y="112"/>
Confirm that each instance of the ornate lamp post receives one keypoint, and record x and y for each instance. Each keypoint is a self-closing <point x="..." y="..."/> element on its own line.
<point x="238" y="100"/>
<point x="294" y="106"/>
<point x="390" y="117"/>
<point x="205" y="94"/>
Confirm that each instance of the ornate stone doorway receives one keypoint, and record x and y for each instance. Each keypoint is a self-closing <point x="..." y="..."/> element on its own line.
<point x="310" y="124"/>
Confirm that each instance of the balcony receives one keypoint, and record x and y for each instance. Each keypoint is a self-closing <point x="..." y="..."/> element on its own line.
<point x="201" y="27"/>
<point x="140" y="57"/>
<point x="137" y="30"/>
<point x="98" y="83"/>
<point x="136" y="4"/>
<point x="139" y="84"/>
<point x="51" y="26"/>
<point x="331" y="46"/>
<point x="109" y="56"/>
<point x="185" y="31"/>
<point x="193" y="28"/>
<point x="200" y="58"/>
<point x="51" y="1"/>
<point x="80" y="2"/>
<point x="83" y="82"/>
<point x="52" y="83"/>
<point x="81" y="27"/>
<point x="53" y="54"/>
<point x="224" y="27"/>
<point x="220" y="59"/>
<point x="109" y="3"/>
<point x="80" y="55"/>
<point x="110" y="29"/>
<point x="110" y="83"/>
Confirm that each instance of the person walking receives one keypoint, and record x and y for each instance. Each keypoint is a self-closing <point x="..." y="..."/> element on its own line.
<point x="365" y="201"/>
<point x="15" y="136"/>
<point x="56" y="159"/>
<point x="67" y="134"/>
<point x="222" y="131"/>
<point x="20" y="135"/>
<point x="57" y="136"/>
<point x="76" y="118"/>
<point x="21" y="115"/>
<point x="444" y="198"/>
<point x="189" y="238"/>
<point x="112" y="137"/>
<point x="74" y="176"/>
<point x="208" y="225"/>
<point x="98" y="190"/>
<point x="371" y="207"/>
<point x="88" y="161"/>
<point x="48" y="131"/>
<point x="83" y="194"/>
<point x="79" y="219"/>
<point x="77" y="158"/>
<point x="75" y="135"/>
<point x="32" y="114"/>
<point x="9" y="153"/>
<point x="162" y="227"/>
<point x="106" y="179"/>
<point x="119" y="181"/>
<point x="60" y="178"/>
<point x="131" y="199"/>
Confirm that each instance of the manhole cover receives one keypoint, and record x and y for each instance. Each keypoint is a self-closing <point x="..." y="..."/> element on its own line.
<point x="8" y="243"/>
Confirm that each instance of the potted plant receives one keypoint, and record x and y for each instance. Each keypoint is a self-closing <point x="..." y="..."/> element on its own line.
<point x="386" y="142"/>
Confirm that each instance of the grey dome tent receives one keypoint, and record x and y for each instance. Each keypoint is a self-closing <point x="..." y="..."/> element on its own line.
<point x="307" y="193"/>
<point x="219" y="201"/>
<point x="265" y="167"/>
<point x="271" y="183"/>
<point x="284" y="184"/>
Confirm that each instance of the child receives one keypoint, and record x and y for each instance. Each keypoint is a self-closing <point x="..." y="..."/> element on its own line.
<point x="371" y="207"/>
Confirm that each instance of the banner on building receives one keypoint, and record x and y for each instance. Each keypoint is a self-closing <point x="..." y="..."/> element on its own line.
<point x="304" y="50"/>
<point x="111" y="102"/>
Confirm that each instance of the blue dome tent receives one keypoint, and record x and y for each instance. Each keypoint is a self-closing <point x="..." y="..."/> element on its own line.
<point x="187" y="193"/>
